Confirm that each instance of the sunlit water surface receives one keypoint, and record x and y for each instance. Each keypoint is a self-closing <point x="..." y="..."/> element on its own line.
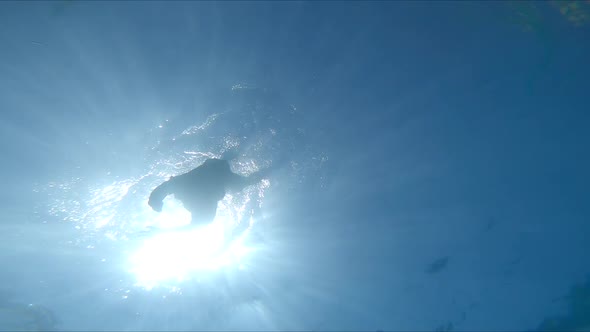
<point x="146" y="253"/>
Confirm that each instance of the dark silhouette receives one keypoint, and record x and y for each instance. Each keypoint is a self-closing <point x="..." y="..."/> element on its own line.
<point x="202" y="188"/>
<point x="438" y="265"/>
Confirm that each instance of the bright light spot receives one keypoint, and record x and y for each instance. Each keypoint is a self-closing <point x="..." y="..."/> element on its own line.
<point x="173" y="214"/>
<point x="174" y="255"/>
<point x="170" y="249"/>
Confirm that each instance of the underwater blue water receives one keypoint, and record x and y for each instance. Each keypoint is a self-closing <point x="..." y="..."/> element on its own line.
<point x="429" y="164"/>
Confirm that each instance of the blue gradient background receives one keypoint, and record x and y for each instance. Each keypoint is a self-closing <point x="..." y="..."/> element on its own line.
<point x="444" y="129"/>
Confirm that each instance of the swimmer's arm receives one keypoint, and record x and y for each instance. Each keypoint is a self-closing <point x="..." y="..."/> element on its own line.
<point x="157" y="196"/>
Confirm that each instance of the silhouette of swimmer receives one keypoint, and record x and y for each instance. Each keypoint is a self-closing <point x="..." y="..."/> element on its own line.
<point x="202" y="188"/>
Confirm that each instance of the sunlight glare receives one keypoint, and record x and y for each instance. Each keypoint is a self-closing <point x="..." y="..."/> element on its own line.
<point x="172" y="255"/>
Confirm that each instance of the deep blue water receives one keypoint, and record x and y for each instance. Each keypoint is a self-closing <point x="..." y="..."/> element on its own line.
<point x="430" y="163"/>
